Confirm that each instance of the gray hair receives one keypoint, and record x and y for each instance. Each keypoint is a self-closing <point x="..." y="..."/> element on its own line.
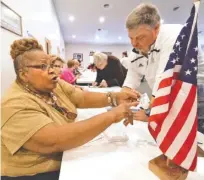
<point x="143" y="14"/>
<point x="99" y="58"/>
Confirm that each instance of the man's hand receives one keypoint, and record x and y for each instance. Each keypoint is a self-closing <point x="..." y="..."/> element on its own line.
<point x="137" y="116"/>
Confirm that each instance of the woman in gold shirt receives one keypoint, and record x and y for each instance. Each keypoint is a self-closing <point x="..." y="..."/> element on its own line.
<point x="38" y="114"/>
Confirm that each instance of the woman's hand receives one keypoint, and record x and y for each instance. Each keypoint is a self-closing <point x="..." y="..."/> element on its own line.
<point x="103" y="84"/>
<point x="124" y="97"/>
<point x="138" y="116"/>
<point x="94" y="84"/>
<point x="77" y="76"/>
<point x="123" y="111"/>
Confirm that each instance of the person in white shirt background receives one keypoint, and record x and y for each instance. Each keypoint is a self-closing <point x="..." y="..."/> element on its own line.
<point x="153" y="42"/>
<point x="125" y="60"/>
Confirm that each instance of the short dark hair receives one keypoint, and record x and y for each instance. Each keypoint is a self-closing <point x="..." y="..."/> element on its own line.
<point x="19" y="50"/>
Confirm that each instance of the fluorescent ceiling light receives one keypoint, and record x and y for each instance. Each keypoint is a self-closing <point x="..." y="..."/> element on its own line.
<point x="119" y="37"/>
<point x="73" y="36"/>
<point x="101" y="19"/>
<point x="71" y="18"/>
<point x="97" y="37"/>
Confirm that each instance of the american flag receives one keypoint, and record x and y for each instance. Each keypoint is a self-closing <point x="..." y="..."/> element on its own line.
<point x="173" y="118"/>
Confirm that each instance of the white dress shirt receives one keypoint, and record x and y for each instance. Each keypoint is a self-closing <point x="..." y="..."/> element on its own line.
<point x="125" y="62"/>
<point x="153" y="66"/>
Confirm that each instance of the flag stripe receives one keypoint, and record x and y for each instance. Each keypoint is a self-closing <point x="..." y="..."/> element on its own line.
<point x="182" y="135"/>
<point x="175" y="92"/>
<point x="159" y="123"/>
<point x="191" y="155"/>
<point x="165" y="83"/>
<point x="160" y="109"/>
<point x="194" y="163"/>
<point x="179" y="121"/>
<point x="161" y="117"/>
<point x="162" y="100"/>
<point x="167" y="77"/>
<point x="161" y="93"/>
<point x="175" y="75"/>
<point x="177" y="68"/>
<point x="183" y="154"/>
<point x="177" y="105"/>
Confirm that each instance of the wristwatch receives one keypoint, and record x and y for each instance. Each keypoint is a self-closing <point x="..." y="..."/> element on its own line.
<point x="147" y="112"/>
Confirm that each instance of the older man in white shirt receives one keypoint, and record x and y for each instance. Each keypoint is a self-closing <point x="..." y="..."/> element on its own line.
<point x="153" y="44"/>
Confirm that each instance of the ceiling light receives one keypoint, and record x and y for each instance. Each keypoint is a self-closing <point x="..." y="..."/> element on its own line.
<point x="73" y="36"/>
<point x="101" y="19"/>
<point x="119" y="37"/>
<point x="176" y="8"/>
<point x="106" y="6"/>
<point x="71" y="18"/>
<point x="161" y="21"/>
<point x="97" y="37"/>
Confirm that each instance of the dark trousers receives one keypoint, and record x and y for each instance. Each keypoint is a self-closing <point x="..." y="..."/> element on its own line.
<point x="42" y="176"/>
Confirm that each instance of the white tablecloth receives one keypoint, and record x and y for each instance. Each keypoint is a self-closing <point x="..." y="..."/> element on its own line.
<point x="104" y="90"/>
<point x="87" y="77"/>
<point x="101" y="159"/>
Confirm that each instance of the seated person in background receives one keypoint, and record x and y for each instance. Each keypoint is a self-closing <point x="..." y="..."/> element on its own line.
<point x="58" y="64"/>
<point x="38" y="113"/>
<point x="125" y="60"/>
<point x="110" y="72"/>
<point x="68" y="73"/>
<point x="76" y="67"/>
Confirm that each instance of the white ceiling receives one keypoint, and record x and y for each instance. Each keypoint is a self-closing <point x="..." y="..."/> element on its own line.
<point x="87" y="13"/>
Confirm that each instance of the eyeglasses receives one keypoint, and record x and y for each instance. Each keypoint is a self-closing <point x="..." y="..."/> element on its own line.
<point x="57" y="66"/>
<point x="43" y="67"/>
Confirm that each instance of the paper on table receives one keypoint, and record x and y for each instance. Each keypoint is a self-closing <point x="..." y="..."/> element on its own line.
<point x="144" y="101"/>
<point x="133" y="108"/>
<point x="116" y="133"/>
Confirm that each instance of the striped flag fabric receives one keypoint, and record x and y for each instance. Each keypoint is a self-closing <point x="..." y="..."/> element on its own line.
<point x="173" y="117"/>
